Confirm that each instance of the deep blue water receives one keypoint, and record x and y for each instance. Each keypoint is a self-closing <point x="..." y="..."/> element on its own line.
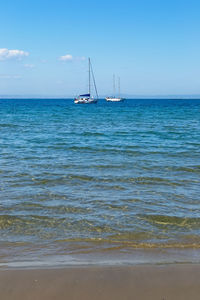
<point x="98" y="176"/>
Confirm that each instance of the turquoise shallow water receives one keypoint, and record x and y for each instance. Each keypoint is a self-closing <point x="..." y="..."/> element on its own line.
<point x="107" y="176"/>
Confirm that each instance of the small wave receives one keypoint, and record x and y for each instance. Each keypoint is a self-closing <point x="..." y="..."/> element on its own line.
<point x="90" y="133"/>
<point x="82" y="177"/>
<point x="191" y="169"/>
<point x="110" y="187"/>
<point x="117" y="207"/>
<point x="172" y="221"/>
<point x="53" y="209"/>
<point x="106" y="149"/>
<point x="117" y="243"/>
<point x="7" y="221"/>
<point x="81" y="148"/>
<point x="116" y="182"/>
<point x="137" y="180"/>
<point x="110" y="166"/>
<point x="4" y="125"/>
<point x="28" y="224"/>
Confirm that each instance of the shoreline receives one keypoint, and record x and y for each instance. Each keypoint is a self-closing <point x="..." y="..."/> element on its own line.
<point x="89" y="257"/>
<point x="142" y="282"/>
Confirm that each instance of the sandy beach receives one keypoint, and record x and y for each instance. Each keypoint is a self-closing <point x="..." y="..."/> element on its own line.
<point x="145" y="282"/>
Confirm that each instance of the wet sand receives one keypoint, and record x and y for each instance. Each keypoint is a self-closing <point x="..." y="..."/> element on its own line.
<point x="142" y="282"/>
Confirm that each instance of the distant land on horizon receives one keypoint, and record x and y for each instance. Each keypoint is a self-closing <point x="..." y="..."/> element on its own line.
<point x="175" y="97"/>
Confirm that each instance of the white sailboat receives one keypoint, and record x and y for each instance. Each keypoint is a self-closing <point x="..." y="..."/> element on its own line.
<point x="114" y="98"/>
<point x="87" y="98"/>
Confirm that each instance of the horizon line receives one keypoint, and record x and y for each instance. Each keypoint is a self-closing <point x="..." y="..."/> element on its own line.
<point x="176" y="97"/>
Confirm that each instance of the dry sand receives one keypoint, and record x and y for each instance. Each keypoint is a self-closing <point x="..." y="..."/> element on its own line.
<point x="163" y="282"/>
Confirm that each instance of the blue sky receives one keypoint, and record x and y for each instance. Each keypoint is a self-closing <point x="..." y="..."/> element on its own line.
<point x="153" y="46"/>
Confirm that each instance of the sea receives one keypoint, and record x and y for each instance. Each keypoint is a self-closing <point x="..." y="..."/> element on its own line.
<point x="108" y="183"/>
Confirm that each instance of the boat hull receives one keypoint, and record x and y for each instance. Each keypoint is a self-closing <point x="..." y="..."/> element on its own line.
<point x="85" y="101"/>
<point x="114" y="99"/>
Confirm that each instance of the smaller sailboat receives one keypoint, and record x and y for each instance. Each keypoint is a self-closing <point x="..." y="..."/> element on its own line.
<point x="87" y="98"/>
<point x="114" y="98"/>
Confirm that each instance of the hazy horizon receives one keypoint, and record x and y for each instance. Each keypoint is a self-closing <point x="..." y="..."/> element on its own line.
<point x="131" y="97"/>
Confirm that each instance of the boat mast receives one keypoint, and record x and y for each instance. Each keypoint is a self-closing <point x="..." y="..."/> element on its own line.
<point x="94" y="80"/>
<point x="114" y="84"/>
<point x="119" y="85"/>
<point x="89" y="74"/>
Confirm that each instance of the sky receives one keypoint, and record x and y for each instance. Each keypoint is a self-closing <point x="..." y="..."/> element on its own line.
<point x="152" y="45"/>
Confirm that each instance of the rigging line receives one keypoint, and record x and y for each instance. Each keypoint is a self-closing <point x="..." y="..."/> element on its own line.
<point x="94" y="81"/>
<point x="89" y="65"/>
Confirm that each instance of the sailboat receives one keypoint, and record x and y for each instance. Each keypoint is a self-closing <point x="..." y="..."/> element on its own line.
<point x="114" y="98"/>
<point x="87" y="98"/>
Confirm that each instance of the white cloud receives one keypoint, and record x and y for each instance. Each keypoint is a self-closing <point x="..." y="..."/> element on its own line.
<point x="6" y="54"/>
<point x="67" y="57"/>
<point x="30" y="66"/>
<point x="10" y="76"/>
